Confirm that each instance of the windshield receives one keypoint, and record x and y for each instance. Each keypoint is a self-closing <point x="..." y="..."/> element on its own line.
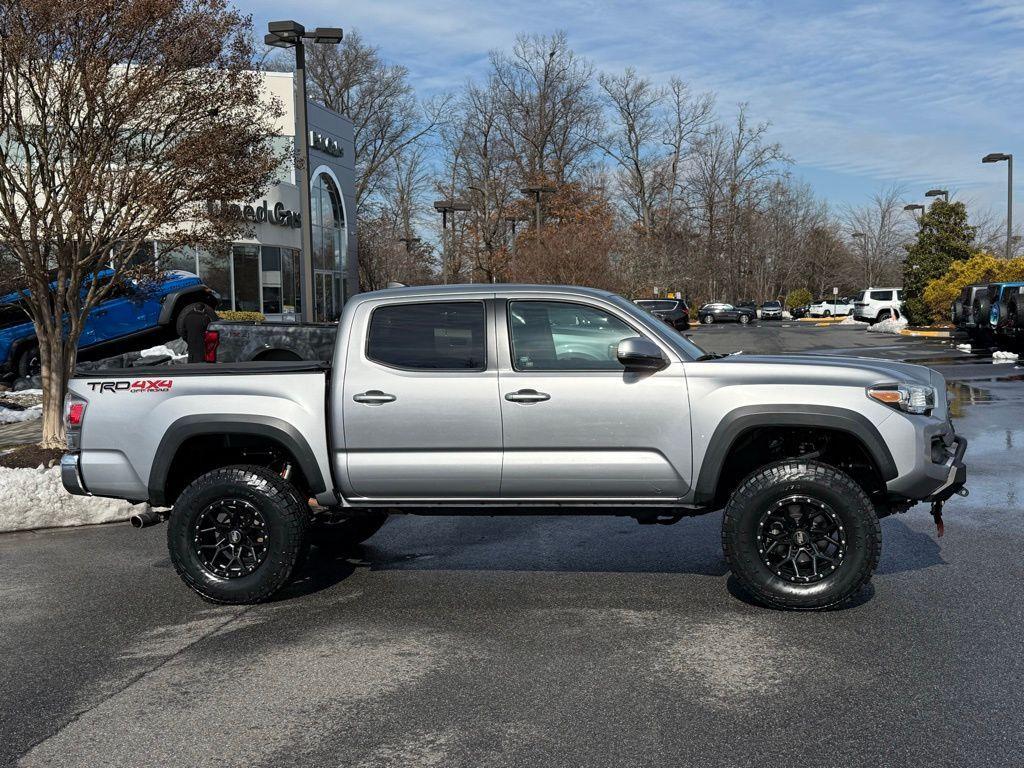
<point x="681" y="343"/>
<point x="772" y="305"/>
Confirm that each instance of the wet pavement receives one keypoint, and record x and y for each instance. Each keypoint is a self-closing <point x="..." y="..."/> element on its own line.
<point x="523" y="641"/>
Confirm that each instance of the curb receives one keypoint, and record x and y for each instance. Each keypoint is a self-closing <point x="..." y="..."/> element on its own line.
<point x="927" y="334"/>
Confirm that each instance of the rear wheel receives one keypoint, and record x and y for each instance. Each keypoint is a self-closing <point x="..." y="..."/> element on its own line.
<point x="885" y="314"/>
<point x="801" y="535"/>
<point x="237" y="534"/>
<point x="827" y="313"/>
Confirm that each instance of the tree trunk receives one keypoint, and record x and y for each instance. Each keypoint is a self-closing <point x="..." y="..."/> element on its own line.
<point x="58" y="361"/>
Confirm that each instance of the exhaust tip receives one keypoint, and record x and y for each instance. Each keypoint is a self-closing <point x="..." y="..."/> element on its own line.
<point x="145" y="518"/>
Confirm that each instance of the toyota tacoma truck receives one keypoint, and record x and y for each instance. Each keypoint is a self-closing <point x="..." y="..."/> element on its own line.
<point x="492" y="400"/>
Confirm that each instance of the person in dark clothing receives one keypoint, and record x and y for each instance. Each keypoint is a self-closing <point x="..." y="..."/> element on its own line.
<point x="192" y="324"/>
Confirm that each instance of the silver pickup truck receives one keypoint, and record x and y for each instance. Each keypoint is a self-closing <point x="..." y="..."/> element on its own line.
<point x="484" y="399"/>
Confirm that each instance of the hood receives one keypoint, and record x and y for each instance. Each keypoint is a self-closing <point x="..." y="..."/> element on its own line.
<point x="856" y="370"/>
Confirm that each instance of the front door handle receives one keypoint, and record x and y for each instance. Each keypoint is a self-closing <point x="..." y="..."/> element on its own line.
<point x="527" y="396"/>
<point x="374" y="397"/>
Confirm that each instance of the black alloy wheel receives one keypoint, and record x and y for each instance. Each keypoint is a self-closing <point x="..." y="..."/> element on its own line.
<point x="230" y="538"/>
<point x="801" y="539"/>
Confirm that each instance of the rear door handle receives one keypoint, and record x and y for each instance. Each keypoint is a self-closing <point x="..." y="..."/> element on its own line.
<point x="527" y="396"/>
<point x="374" y="397"/>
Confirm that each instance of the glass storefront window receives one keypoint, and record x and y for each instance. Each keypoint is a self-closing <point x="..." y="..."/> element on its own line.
<point x="289" y="280"/>
<point x="215" y="271"/>
<point x="328" y="224"/>
<point x="246" y="260"/>
<point x="183" y="258"/>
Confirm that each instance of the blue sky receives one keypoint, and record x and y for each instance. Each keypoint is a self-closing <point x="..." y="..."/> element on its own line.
<point x="860" y="94"/>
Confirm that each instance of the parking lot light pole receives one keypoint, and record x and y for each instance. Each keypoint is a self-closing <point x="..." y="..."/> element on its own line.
<point x="915" y="207"/>
<point x="447" y="207"/>
<point x="536" y="192"/>
<point x="291" y="34"/>
<point x="998" y="157"/>
<point x="944" y="193"/>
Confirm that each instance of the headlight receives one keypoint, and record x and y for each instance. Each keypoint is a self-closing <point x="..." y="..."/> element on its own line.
<point x="912" y="398"/>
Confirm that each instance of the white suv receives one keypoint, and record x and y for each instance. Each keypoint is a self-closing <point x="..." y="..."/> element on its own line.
<point x="877" y="304"/>
<point x="831" y="306"/>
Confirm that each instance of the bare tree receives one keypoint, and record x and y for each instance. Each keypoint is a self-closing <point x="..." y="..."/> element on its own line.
<point x="119" y="122"/>
<point x="878" y="231"/>
<point x="549" y="114"/>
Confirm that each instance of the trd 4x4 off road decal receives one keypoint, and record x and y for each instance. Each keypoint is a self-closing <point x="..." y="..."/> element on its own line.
<point x="139" y="385"/>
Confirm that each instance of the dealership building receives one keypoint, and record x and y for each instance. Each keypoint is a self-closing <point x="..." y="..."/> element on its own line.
<point x="262" y="273"/>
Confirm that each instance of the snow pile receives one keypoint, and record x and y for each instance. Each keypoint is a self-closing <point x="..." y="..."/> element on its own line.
<point x="964" y="347"/>
<point x="1004" y="357"/>
<point x="35" y="498"/>
<point x="12" y="415"/>
<point x="849" y="320"/>
<point x="161" y="350"/>
<point x="889" y="325"/>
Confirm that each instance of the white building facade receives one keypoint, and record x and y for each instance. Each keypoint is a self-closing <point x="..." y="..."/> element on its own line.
<point x="262" y="273"/>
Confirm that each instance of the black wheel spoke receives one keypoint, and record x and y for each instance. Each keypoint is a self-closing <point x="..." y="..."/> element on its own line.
<point x="235" y="531"/>
<point x="801" y="539"/>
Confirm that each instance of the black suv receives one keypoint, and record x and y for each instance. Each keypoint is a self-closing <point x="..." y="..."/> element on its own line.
<point x="718" y="312"/>
<point x="672" y="311"/>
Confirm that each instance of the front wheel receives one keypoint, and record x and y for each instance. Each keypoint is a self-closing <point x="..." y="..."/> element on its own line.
<point x="826" y="313"/>
<point x="744" y="319"/>
<point x="236" y="534"/>
<point x="29" y="363"/>
<point x="708" y="319"/>
<point x="801" y="535"/>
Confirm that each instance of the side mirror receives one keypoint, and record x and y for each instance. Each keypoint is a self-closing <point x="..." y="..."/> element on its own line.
<point x="638" y="352"/>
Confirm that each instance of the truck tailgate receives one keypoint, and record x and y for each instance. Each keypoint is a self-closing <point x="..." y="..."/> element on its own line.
<point x="134" y="415"/>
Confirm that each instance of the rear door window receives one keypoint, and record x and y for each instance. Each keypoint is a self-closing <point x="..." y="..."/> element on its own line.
<point x="435" y="336"/>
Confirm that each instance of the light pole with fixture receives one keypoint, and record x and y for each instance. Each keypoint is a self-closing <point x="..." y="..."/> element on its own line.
<point x="998" y="157"/>
<point x="943" y="193"/>
<point x="291" y="34"/>
<point x="536" y="192"/>
<point x="447" y="207"/>
<point x="915" y="207"/>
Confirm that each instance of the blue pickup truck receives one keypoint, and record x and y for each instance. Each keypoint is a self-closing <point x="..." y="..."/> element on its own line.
<point x="132" y="313"/>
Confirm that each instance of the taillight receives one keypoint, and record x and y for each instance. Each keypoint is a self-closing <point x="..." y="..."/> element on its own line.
<point x="211" y="340"/>
<point x="76" y="413"/>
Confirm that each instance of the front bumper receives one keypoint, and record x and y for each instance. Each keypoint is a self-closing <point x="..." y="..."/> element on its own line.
<point x="939" y="470"/>
<point x="70" y="476"/>
<point x="956" y="478"/>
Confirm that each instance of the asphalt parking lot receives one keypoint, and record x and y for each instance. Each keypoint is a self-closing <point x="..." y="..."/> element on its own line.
<point x="524" y="641"/>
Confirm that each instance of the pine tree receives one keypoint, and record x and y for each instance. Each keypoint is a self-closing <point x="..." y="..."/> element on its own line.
<point x="943" y="238"/>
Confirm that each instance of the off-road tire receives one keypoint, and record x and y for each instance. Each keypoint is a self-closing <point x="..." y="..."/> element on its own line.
<point x="348" y="532"/>
<point x="287" y="519"/>
<point x="28" y="363"/>
<point x="817" y="481"/>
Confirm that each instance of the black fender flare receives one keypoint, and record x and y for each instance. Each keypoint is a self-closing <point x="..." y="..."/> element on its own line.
<point x="740" y="420"/>
<point x="197" y="425"/>
<point x="190" y="294"/>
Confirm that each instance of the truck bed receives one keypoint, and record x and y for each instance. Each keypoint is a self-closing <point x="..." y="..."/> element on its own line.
<point x="137" y="419"/>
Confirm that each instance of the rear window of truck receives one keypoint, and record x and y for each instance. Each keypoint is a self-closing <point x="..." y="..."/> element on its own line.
<point x="436" y="336"/>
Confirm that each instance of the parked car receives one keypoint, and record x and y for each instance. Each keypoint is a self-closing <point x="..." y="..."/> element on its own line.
<point x="797" y="312"/>
<point x="725" y="313"/>
<point x="475" y="397"/>
<point x="876" y="304"/>
<point x="831" y="306"/>
<point x="133" y="314"/>
<point x="675" y="312"/>
<point x="1004" y="310"/>
<point x="964" y="314"/>
<point x="240" y="341"/>
<point x="771" y="310"/>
